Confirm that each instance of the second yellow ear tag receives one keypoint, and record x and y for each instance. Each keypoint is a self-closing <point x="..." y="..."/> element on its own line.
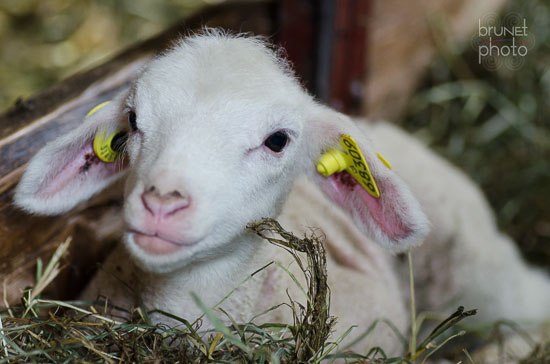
<point x="351" y="160"/>
<point x="106" y="144"/>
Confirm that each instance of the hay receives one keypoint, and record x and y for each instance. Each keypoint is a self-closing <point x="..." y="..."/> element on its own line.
<point x="41" y="330"/>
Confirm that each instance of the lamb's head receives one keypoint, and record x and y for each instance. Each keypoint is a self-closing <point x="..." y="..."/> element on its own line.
<point x="218" y="130"/>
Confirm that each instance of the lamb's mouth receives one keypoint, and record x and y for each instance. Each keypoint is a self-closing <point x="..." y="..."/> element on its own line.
<point x="154" y="244"/>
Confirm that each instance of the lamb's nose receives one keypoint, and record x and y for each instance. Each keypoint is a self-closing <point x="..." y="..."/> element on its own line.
<point x="164" y="205"/>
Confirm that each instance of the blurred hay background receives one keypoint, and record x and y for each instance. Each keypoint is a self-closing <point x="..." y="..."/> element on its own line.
<point x="42" y="42"/>
<point x="491" y="124"/>
<point x="494" y="125"/>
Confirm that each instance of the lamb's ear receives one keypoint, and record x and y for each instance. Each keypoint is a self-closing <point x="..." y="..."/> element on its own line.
<point x="395" y="219"/>
<point x="66" y="172"/>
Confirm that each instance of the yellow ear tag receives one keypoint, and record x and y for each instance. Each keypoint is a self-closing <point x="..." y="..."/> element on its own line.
<point x="106" y="145"/>
<point x="351" y="160"/>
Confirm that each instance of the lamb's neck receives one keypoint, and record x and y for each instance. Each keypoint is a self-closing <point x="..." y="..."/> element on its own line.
<point x="211" y="280"/>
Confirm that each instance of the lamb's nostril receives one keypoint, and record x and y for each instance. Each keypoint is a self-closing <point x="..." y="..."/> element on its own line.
<point x="151" y="189"/>
<point x="175" y="194"/>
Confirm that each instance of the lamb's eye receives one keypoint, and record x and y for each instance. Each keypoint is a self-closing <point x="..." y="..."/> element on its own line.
<point x="277" y="141"/>
<point x="132" y="120"/>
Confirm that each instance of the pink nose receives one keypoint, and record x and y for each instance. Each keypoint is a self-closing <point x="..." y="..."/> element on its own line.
<point x="164" y="205"/>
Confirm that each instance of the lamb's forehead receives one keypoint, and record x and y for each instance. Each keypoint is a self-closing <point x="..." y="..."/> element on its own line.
<point x="214" y="67"/>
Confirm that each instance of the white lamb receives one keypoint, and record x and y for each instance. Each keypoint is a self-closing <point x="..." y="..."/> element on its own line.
<point x="220" y="133"/>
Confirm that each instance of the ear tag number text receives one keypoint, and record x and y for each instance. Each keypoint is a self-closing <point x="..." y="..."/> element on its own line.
<point x="351" y="160"/>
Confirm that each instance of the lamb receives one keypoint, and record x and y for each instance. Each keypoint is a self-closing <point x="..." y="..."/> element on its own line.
<point x="220" y="133"/>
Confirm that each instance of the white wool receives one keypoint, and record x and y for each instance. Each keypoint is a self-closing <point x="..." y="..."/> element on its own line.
<point x="204" y="110"/>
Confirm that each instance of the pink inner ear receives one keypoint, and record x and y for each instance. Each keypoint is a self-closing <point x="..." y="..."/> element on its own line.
<point x="385" y="212"/>
<point x="84" y="167"/>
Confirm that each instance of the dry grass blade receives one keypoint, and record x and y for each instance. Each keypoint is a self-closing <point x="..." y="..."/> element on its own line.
<point x="43" y="279"/>
<point x="312" y="327"/>
<point x="449" y="322"/>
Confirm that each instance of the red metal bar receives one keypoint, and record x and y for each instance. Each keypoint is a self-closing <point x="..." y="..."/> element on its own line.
<point x="303" y="26"/>
<point x="349" y="56"/>
<point x="297" y="35"/>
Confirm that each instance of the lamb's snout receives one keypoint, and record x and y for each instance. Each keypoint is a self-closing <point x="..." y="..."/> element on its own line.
<point x="163" y="205"/>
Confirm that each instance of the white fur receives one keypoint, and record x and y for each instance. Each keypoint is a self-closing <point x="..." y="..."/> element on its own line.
<point x="203" y="110"/>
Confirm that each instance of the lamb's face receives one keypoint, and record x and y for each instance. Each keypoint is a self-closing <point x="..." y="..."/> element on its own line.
<point x="215" y="145"/>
